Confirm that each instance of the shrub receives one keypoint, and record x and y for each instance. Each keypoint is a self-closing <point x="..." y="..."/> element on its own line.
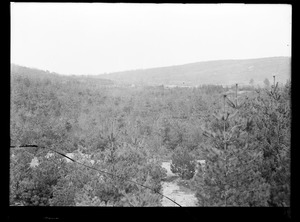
<point x="183" y="163"/>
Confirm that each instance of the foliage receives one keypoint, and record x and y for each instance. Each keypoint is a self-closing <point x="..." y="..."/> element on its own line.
<point x="33" y="186"/>
<point x="128" y="131"/>
<point x="85" y="197"/>
<point x="272" y="127"/>
<point x="231" y="176"/>
<point x="142" y="196"/>
<point x="183" y="163"/>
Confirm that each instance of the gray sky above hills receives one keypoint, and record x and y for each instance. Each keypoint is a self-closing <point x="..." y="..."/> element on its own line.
<point x="93" y="38"/>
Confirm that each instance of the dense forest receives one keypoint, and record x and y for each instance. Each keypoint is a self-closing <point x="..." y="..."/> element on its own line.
<point x="242" y="133"/>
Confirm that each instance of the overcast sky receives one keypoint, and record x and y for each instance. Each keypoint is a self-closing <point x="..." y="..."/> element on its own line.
<point x="93" y="38"/>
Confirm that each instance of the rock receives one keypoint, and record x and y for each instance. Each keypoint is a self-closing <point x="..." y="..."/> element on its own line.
<point x="34" y="162"/>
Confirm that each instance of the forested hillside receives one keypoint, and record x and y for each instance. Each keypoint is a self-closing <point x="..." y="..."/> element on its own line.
<point x="220" y="72"/>
<point x="128" y="132"/>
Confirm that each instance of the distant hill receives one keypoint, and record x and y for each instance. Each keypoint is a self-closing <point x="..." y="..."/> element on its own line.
<point x="221" y="72"/>
<point x="23" y="71"/>
<point x="30" y="72"/>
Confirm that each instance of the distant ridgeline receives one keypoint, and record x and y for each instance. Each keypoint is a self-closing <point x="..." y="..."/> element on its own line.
<point x="34" y="73"/>
<point x="221" y="72"/>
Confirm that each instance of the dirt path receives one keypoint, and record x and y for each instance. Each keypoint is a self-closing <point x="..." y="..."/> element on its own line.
<point x="171" y="189"/>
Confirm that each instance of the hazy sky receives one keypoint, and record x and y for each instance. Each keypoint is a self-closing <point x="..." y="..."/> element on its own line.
<point x="93" y="38"/>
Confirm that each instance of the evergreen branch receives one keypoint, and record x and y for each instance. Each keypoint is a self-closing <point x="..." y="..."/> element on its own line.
<point x="225" y="116"/>
<point x="209" y="133"/>
<point x="239" y="106"/>
<point x="218" y="117"/>
<point x="230" y="103"/>
<point x="235" y="128"/>
<point x="233" y="114"/>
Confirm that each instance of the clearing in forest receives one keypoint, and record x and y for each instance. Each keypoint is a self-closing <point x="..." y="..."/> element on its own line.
<point x="172" y="189"/>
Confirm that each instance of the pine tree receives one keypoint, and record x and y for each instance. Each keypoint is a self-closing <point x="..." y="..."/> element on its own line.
<point x="231" y="176"/>
<point x="272" y="126"/>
